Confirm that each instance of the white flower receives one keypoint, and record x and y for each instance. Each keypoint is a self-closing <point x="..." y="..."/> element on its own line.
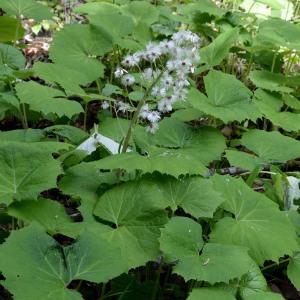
<point x="158" y="91"/>
<point x="144" y="111"/>
<point x="119" y="72"/>
<point x="122" y="106"/>
<point x="166" y="46"/>
<point x="152" y="127"/>
<point x="164" y="106"/>
<point x="139" y="55"/>
<point x="105" y="105"/>
<point x="148" y="74"/>
<point x="162" y="92"/>
<point x="153" y="52"/>
<point x="180" y="94"/>
<point x="171" y="65"/>
<point x="127" y="80"/>
<point x="153" y="116"/>
<point x="167" y="81"/>
<point x="186" y="36"/>
<point x="184" y="65"/>
<point x="170" y="99"/>
<point x="155" y="91"/>
<point x="181" y="83"/>
<point x="131" y="60"/>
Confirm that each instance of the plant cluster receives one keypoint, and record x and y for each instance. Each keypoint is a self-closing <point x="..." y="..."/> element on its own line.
<point x="149" y="150"/>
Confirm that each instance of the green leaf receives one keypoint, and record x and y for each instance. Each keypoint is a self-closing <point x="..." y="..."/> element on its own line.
<point x="11" y="57"/>
<point x="216" y="51"/>
<point x="113" y="23"/>
<point x="187" y="114"/>
<point x="252" y="282"/>
<point x="68" y="79"/>
<point x="293" y="270"/>
<point x="244" y="160"/>
<point x="27" y="8"/>
<point x="73" y="134"/>
<point x="47" y="100"/>
<point x="22" y="135"/>
<point x="168" y="161"/>
<point x="22" y="177"/>
<point x="271" y="146"/>
<point x="48" y="213"/>
<point x="181" y="240"/>
<point x="270" y="105"/>
<point x="211" y="294"/>
<point x="230" y="102"/>
<point x="291" y="101"/>
<point x="114" y="128"/>
<point x="181" y="237"/>
<point x="137" y="211"/>
<point x="195" y="195"/>
<point x="269" y="99"/>
<point x="84" y="180"/>
<point x="205" y="6"/>
<point x="279" y="33"/>
<point x="265" y="296"/>
<point x="95" y="8"/>
<point x="274" y="82"/>
<point x="171" y="133"/>
<point x="30" y="251"/>
<point x="8" y="101"/>
<point x="287" y="120"/>
<point x="257" y="224"/>
<point x="206" y="143"/>
<point x="80" y="54"/>
<point x="10" y="29"/>
<point x="141" y="12"/>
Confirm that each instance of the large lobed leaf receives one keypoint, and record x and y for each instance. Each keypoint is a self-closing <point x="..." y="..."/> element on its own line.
<point x="181" y="241"/>
<point x="257" y="223"/>
<point x="270" y="147"/>
<point x="136" y="209"/>
<point x="195" y="195"/>
<point x="211" y="294"/>
<point x="22" y="177"/>
<point x="78" y="46"/>
<point x="47" y="100"/>
<point x="30" y="251"/>
<point x="48" y="213"/>
<point x="185" y="151"/>
<point x="30" y="9"/>
<point x="10" y="29"/>
<point x="216" y="51"/>
<point x="231" y="101"/>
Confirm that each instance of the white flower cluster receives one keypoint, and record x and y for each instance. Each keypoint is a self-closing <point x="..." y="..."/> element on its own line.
<point x="168" y="65"/>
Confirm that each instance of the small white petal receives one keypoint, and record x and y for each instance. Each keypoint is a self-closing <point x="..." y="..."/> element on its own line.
<point x="152" y="128"/>
<point x="128" y="80"/>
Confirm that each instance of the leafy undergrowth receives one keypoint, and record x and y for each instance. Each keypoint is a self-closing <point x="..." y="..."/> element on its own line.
<point x="149" y="150"/>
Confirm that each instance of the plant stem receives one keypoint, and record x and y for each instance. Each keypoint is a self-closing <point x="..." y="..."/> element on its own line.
<point x="247" y="72"/>
<point x="275" y="264"/>
<point x="24" y="117"/>
<point x="274" y="61"/>
<point x="98" y="85"/>
<point x="79" y="285"/>
<point x="290" y="62"/>
<point x="136" y="114"/>
<point x="156" y="284"/>
<point x="85" y="116"/>
<point x="250" y="8"/>
<point x="102" y="291"/>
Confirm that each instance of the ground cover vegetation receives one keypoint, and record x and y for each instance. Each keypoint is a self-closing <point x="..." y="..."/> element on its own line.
<point x="149" y="149"/>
